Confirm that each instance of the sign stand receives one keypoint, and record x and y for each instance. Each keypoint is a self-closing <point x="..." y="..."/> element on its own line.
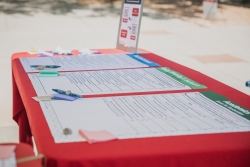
<point x="129" y="28"/>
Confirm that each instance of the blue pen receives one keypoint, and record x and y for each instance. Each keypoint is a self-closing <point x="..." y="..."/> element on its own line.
<point x="96" y="52"/>
<point x="46" y="66"/>
<point x="248" y="83"/>
<point x="65" y="53"/>
<point x="67" y="93"/>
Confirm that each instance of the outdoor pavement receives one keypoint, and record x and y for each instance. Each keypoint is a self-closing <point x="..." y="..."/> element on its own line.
<point x="219" y="48"/>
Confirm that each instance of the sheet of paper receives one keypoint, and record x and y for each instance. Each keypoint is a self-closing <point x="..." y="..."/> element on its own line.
<point x="88" y="62"/>
<point x="146" y="115"/>
<point x="6" y="150"/>
<point x="10" y="162"/>
<point x="114" y="81"/>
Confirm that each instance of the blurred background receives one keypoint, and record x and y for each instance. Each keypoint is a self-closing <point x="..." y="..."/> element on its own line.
<point x="175" y="29"/>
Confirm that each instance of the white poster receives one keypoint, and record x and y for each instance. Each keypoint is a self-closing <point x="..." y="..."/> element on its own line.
<point x="145" y="116"/>
<point x="109" y="82"/>
<point x="88" y="62"/>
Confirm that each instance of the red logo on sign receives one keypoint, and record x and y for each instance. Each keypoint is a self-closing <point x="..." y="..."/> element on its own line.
<point x="124" y="33"/>
<point x="125" y="20"/>
<point x="135" y="12"/>
<point x="132" y="37"/>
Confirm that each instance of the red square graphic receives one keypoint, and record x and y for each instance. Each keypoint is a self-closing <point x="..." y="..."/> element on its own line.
<point x="135" y="12"/>
<point x="124" y="33"/>
<point x="124" y="20"/>
<point x="132" y="37"/>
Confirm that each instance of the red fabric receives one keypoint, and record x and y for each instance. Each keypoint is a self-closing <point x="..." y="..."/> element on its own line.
<point x="224" y="149"/>
<point x="24" y="150"/>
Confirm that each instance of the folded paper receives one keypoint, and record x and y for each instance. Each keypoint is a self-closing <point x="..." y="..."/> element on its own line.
<point x="42" y="98"/>
<point x="33" y="51"/>
<point x="43" y="53"/>
<point x="60" y="50"/>
<point x="97" y="136"/>
<point x="85" y="51"/>
<point x="54" y="97"/>
<point x="63" y="97"/>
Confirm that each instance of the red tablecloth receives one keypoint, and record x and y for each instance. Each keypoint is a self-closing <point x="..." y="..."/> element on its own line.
<point x="224" y="150"/>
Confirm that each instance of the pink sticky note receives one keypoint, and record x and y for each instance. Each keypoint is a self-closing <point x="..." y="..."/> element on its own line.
<point x="97" y="136"/>
<point x="6" y="150"/>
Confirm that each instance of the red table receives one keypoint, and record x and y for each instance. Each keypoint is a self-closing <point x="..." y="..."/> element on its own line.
<point x="224" y="150"/>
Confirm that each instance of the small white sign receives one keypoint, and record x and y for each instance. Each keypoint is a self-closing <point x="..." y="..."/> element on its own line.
<point x="210" y="8"/>
<point x="129" y="25"/>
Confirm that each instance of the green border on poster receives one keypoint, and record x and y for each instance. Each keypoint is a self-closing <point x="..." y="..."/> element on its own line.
<point x="181" y="78"/>
<point x="223" y="101"/>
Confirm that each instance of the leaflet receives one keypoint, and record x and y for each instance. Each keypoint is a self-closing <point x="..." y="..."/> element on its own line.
<point x="88" y="62"/>
<point x="114" y="81"/>
<point x="144" y="116"/>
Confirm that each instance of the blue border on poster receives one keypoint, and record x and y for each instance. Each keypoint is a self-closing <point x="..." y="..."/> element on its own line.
<point x="143" y="60"/>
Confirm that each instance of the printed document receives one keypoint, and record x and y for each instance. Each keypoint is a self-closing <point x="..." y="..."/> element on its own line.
<point x="88" y="62"/>
<point x="145" y="116"/>
<point x="9" y="162"/>
<point x="114" y="81"/>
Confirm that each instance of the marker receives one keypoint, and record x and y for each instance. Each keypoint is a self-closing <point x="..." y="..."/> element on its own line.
<point x="67" y="93"/>
<point x="46" y="66"/>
